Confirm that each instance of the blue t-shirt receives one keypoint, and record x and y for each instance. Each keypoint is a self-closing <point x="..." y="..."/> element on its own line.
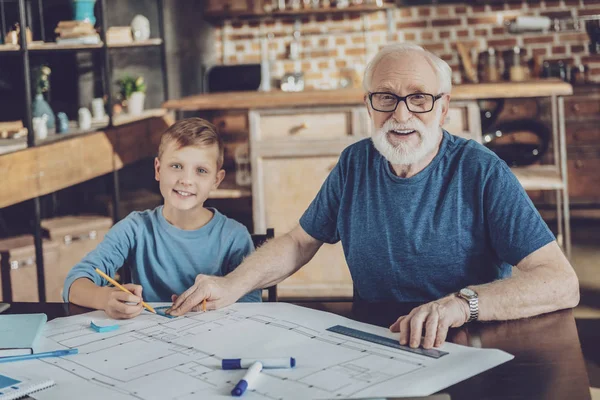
<point x="163" y="258"/>
<point x="463" y="220"/>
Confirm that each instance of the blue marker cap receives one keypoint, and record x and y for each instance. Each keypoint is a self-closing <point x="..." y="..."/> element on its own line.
<point x="240" y="388"/>
<point x="231" y="363"/>
<point x="292" y="362"/>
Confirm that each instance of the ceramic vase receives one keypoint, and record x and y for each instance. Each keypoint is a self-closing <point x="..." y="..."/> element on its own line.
<point x="40" y="107"/>
<point x="135" y="103"/>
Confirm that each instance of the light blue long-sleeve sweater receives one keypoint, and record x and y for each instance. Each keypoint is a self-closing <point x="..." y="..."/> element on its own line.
<point x="163" y="258"/>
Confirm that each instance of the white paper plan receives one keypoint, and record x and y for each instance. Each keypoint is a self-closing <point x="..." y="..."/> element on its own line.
<point x="154" y="357"/>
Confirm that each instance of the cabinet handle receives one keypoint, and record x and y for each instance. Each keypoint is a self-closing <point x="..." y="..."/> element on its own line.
<point x="576" y="107"/>
<point x="16" y="264"/>
<point x="68" y="239"/>
<point x="296" y="129"/>
<point x="578" y="164"/>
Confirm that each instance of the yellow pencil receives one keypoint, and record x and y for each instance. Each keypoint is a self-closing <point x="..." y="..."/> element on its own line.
<point x="111" y="280"/>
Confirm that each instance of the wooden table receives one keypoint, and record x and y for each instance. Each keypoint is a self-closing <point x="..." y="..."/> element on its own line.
<point x="548" y="361"/>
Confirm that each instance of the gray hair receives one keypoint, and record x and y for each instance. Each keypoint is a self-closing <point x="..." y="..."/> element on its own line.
<point x="441" y="67"/>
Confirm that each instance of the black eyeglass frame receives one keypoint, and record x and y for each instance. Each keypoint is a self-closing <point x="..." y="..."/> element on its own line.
<point x="400" y="98"/>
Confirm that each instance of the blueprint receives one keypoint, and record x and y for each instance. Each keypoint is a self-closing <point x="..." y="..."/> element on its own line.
<point x="153" y="357"/>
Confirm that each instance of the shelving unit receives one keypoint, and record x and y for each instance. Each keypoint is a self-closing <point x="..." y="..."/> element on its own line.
<point x="139" y="43"/>
<point x="98" y="135"/>
<point x="123" y="119"/>
<point x="9" y="48"/>
<point x="52" y="46"/>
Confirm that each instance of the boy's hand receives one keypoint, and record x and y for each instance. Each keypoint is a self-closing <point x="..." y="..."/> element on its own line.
<point x="214" y="289"/>
<point x="116" y="305"/>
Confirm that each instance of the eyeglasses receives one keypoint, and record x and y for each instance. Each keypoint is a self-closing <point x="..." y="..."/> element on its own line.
<point x="415" y="103"/>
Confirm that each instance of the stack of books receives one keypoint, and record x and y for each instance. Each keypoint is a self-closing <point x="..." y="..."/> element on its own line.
<point x="76" y="32"/>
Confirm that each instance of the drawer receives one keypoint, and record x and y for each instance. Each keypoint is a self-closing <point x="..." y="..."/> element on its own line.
<point x="311" y="126"/>
<point x="519" y="109"/>
<point x="587" y="133"/>
<point x="584" y="180"/>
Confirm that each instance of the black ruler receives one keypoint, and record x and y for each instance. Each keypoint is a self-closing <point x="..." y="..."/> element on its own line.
<point x="384" y="341"/>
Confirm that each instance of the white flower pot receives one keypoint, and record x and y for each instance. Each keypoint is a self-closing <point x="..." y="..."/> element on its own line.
<point x="135" y="103"/>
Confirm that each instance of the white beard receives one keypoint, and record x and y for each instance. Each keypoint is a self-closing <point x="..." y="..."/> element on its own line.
<point x="406" y="153"/>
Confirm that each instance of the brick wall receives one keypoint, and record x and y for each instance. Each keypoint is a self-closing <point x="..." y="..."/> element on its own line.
<point x="332" y="42"/>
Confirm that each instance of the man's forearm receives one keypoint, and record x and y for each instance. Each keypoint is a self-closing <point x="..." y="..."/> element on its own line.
<point x="527" y="293"/>
<point x="273" y="262"/>
<point x="86" y="293"/>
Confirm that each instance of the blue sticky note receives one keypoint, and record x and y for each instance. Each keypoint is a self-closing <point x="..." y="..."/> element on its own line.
<point x="102" y="329"/>
<point x="6" y="381"/>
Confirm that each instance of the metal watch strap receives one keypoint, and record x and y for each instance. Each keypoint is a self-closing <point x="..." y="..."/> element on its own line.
<point x="473" y="309"/>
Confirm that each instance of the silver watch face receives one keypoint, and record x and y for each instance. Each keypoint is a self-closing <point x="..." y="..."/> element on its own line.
<point x="468" y="293"/>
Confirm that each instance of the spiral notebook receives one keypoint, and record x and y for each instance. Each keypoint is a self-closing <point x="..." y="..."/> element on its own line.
<point x="13" y="387"/>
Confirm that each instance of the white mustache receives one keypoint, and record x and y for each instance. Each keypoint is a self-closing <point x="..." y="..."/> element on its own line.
<point x="391" y="125"/>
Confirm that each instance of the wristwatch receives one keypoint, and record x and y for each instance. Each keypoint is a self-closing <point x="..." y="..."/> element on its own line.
<point x="471" y="297"/>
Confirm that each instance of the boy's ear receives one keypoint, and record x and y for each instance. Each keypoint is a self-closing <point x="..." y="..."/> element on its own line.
<point x="157" y="169"/>
<point x="219" y="178"/>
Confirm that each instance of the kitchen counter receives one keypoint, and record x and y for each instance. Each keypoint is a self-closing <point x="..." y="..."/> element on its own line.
<point x="279" y="99"/>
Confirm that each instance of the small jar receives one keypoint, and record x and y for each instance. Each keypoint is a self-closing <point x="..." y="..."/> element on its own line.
<point x="488" y="67"/>
<point x="517" y="72"/>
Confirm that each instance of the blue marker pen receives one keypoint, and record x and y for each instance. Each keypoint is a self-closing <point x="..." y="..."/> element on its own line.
<point x="243" y="363"/>
<point x="248" y="380"/>
<point x="56" y="353"/>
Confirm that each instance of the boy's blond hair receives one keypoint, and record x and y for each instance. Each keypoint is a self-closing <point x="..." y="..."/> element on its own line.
<point x="192" y="132"/>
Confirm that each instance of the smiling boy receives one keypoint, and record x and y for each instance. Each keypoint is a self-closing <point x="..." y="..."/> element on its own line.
<point x="167" y="247"/>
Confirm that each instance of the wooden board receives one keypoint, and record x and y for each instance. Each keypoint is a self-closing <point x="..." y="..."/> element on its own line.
<point x="278" y="99"/>
<point x="44" y="169"/>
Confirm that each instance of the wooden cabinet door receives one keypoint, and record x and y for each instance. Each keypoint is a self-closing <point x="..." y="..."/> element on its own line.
<point x="463" y="120"/>
<point x="286" y="187"/>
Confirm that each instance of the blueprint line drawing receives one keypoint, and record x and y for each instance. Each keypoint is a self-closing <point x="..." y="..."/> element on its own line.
<point x="153" y="357"/>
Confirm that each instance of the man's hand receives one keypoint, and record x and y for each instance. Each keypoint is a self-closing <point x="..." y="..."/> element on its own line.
<point x="433" y="319"/>
<point x="116" y="301"/>
<point x="215" y="289"/>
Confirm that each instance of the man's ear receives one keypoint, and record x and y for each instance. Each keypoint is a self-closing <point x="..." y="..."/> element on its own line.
<point x="445" y="106"/>
<point x="156" y="169"/>
<point x="366" y="100"/>
<point x="219" y="178"/>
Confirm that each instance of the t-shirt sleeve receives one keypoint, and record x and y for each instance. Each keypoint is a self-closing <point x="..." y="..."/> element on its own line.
<point x="108" y="256"/>
<point x="515" y="226"/>
<point x="241" y="248"/>
<point x="321" y="217"/>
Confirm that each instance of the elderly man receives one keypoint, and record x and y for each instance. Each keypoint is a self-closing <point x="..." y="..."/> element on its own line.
<point x="423" y="216"/>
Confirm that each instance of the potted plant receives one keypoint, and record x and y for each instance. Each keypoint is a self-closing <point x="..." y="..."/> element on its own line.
<point x="133" y="94"/>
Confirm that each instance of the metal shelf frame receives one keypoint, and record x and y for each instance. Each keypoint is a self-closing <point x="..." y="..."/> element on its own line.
<point x="24" y="10"/>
